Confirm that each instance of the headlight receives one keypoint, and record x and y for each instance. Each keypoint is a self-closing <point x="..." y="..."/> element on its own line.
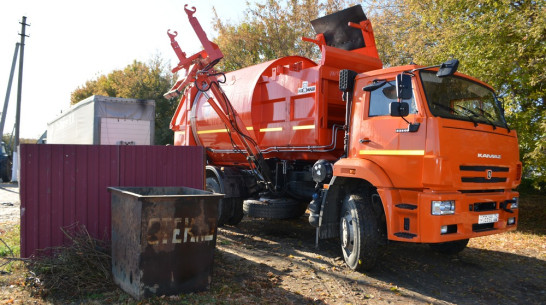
<point x="515" y="203"/>
<point x="444" y="207"/>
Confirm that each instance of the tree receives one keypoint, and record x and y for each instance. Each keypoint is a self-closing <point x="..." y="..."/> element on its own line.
<point x="141" y="81"/>
<point x="272" y="29"/>
<point x="500" y="42"/>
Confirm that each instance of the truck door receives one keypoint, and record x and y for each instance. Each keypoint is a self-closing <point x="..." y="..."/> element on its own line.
<point x="386" y="140"/>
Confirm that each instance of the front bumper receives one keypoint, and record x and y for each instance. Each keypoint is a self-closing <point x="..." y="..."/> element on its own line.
<point x="410" y="218"/>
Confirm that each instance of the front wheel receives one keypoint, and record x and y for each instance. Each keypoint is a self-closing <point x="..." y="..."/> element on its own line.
<point x="359" y="232"/>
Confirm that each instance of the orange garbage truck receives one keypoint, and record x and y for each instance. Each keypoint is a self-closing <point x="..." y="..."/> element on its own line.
<point x="409" y="154"/>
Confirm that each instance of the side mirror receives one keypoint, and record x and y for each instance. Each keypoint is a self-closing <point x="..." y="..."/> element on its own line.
<point x="400" y="109"/>
<point x="448" y="68"/>
<point x="403" y="86"/>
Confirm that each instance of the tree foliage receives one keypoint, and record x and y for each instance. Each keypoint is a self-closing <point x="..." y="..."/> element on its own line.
<point x="271" y="29"/>
<point x="140" y="81"/>
<point x="500" y="42"/>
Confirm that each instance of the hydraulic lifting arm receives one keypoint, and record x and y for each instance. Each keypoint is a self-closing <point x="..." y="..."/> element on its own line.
<point x="199" y="74"/>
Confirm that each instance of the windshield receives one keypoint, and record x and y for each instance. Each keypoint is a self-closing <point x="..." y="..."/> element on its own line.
<point x="458" y="98"/>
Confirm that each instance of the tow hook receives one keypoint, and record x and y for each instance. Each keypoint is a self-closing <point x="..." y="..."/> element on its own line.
<point x="503" y="205"/>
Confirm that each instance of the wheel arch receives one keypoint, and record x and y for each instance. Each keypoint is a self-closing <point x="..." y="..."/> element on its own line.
<point x="362" y="169"/>
<point x="232" y="180"/>
<point x="331" y="205"/>
<point x="215" y="172"/>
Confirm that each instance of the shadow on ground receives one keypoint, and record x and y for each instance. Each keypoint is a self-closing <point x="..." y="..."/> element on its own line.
<point x="405" y="272"/>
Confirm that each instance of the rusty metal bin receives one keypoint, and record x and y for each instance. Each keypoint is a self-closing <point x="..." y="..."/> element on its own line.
<point x="163" y="239"/>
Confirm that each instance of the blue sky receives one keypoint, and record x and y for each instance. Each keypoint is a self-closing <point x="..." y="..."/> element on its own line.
<point x="73" y="41"/>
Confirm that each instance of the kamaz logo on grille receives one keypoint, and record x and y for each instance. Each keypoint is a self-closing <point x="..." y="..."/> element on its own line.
<point x="489" y="156"/>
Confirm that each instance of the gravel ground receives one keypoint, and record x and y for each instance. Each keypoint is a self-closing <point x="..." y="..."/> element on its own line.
<point x="10" y="203"/>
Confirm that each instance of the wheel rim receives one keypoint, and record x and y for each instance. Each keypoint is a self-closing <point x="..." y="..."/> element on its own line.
<point x="347" y="234"/>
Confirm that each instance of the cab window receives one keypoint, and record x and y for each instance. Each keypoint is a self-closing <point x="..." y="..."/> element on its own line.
<point x="382" y="97"/>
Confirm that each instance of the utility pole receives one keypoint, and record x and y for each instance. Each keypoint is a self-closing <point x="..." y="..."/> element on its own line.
<point x="8" y="91"/>
<point x="15" y="171"/>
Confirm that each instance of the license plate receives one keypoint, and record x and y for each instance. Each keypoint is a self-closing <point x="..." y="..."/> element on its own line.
<point x="489" y="218"/>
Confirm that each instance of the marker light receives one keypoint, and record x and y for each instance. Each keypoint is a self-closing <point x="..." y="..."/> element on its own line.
<point x="444" y="207"/>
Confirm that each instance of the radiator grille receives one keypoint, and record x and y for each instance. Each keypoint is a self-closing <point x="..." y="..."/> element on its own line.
<point x="483" y="173"/>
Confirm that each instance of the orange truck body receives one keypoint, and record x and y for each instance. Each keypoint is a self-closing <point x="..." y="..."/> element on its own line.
<point x="293" y="109"/>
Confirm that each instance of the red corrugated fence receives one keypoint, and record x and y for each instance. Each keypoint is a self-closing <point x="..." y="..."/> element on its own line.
<point x="63" y="185"/>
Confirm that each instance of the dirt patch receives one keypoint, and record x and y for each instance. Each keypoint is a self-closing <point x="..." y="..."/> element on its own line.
<point x="501" y="272"/>
<point x="276" y="262"/>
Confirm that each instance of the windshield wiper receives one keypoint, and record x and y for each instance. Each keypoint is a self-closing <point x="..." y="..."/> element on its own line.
<point x="477" y="115"/>
<point x="456" y="112"/>
<point x="447" y="108"/>
<point x="501" y="106"/>
<point x="485" y="115"/>
<point x="472" y="113"/>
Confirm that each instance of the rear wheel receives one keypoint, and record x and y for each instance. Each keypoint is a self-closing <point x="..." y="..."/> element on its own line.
<point x="237" y="213"/>
<point x="359" y="232"/>
<point x="450" y="247"/>
<point x="224" y="207"/>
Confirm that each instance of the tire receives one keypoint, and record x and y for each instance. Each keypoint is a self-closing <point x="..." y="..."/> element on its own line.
<point x="360" y="234"/>
<point x="237" y="212"/>
<point x="224" y="207"/>
<point x="5" y="171"/>
<point x="5" y="177"/>
<point x="280" y="208"/>
<point x="450" y="247"/>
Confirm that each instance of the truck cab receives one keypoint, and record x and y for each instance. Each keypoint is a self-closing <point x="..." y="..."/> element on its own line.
<point x="439" y="171"/>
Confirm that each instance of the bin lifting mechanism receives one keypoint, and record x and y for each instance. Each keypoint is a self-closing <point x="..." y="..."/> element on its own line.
<point x="199" y="71"/>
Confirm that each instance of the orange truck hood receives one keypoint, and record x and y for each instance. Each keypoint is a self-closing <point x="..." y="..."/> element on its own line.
<point x="470" y="158"/>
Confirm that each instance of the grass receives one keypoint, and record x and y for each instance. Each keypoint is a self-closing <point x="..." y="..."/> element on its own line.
<point x="9" y="248"/>
<point x="82" y="268"/>
<point x="9" y="241"/>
